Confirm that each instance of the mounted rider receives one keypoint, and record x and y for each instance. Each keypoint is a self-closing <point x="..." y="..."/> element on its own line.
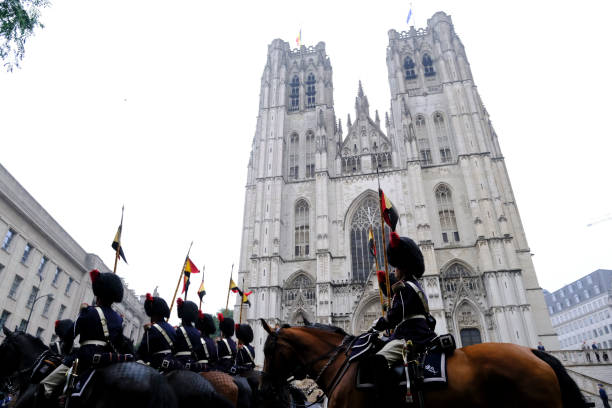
<point x="188" y="347"/>
<point x="99" y="328"/>
<point x="62" y="330"/>
<point x="408" y="316"/>
<point x="245" y="358"/>
<point x="206" y="325"/>
<point x="156" y="347"/>
<point x="226" y="346"/>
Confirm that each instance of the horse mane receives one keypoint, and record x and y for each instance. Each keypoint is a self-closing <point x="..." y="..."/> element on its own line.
<point x="328" y="328"/>
<point x="37" y="342"/>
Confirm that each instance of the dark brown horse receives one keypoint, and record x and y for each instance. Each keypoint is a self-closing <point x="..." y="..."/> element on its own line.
<point x="483" y="375"/>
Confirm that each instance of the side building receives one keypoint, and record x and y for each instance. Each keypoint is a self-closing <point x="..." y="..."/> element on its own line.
<point x="44" y="271"/>
<point x="581" y="311"/>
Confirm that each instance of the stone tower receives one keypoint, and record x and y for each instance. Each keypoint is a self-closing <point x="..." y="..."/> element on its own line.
<point x="311" y="196"/>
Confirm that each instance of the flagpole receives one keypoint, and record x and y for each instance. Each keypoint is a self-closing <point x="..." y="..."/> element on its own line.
<point x="203" y="269"/>
<point x="228" y="289"/>
<point x="119" y="241"/>
<point x="384" y="241"/>
<point x="180" y="278"/>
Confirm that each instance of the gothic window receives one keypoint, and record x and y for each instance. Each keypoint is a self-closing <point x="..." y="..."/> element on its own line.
<point x="381" y="160"/>
<point x="300" y="287"/>
<point x="448" y="222"/>
<point x="443" y="142"/>
<point x="310" y="154"/>
<point x="294" y="158"/>
<point x="367" y="214"/>
<point x="409" y="68"/>
<point x="310" y="91"/>
<point x="456" y="277"/>
<point x="470" y="336"/>
<point x="294" y="94"/>
<point x="351" y="164"/>
<point x="302" y="233"/>
<point x="428" y="65"/>
<point x="423" y="141"/>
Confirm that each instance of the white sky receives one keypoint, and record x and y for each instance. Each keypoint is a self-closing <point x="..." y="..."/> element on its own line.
<point x="154" y="104"/>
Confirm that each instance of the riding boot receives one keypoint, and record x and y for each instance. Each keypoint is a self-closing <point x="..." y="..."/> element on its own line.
<point x="374" y="373"/>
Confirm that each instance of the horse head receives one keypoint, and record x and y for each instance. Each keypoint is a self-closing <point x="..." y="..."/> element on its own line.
<point x="18" y="351"/>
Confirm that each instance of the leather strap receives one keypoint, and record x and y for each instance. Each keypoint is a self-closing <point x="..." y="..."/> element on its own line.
<point x="104" y="324"/>
<point x="163" y="333"/>
<point x="187" y="340"/>
<point x="205" y="348"/>
<point x="249" y="353"/>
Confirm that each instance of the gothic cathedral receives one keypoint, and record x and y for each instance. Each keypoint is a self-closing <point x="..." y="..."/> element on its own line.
<point x="311" y="197"/>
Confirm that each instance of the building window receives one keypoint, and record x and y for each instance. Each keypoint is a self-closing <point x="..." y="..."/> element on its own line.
<point x="26" y="253"/>
<point x="310" y="154"/>
<point x="550" y="310"/>
<point x="596" y="289"/>
<point x="1" y="268"/>
<point x="448" y="222"/>
<point x="22" y="325"/>
<point x="294" y="158"/>
<point x="351" y="164"/>
<point x="32" y="297"/>
<point x="366" y="215"/>
<point x="428" y="66"/>
<point x="15" y="286"/>
<point x="4" y="318"/>
<point x="586" y="294"/>
<point x="8" y="238"/>
<point x="56" y="276"/>
<point x="41" y="267"/>
<point x="381" y="160"/>
<point x="570" y="288"/>
<point x="47" y="305"/>
<point x="39" y="332"/>
<point x="310" y="91"/>
<point x="589" y="280"/>
<point x="443" y="140"/>
<point x="470" y="336"/>
<point x="68" y="286"/>
<point x="302" y="232"/>
<point x="409" y="68"/>
<point x="579" y="283"/>
<point x="423" y="141"/>
<point x="294" y="94"/>
<point x="301" y="288"/>
<point x="60" y="314"/>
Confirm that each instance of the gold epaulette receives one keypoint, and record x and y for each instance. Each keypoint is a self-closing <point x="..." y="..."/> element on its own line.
<point x="397" y="286"/>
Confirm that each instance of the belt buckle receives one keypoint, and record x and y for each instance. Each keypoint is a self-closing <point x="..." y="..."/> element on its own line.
<point x="165" y="364"/>
<point x="96" y="358"/>
<point x="188" y="366"/>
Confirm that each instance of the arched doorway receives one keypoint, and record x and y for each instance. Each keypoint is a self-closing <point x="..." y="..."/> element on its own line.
<point x="367" y="315"/>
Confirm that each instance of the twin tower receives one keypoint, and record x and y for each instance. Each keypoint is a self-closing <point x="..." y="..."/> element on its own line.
<point x="311" y="196"/>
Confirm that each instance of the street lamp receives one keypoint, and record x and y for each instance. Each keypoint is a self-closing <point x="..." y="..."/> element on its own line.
<point x="50" y="295"/>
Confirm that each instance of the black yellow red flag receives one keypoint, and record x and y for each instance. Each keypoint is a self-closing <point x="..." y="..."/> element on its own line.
<point x="390" y="214"/>
<point x="371" y="243"/>
<point x="201" y="291"/>
<point x="245" y="297"/>
<point x="187" y="271"/>
<point x="117" y="243"/>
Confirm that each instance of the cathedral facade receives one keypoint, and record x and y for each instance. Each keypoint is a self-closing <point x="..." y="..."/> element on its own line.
<point x="312" y="195"/>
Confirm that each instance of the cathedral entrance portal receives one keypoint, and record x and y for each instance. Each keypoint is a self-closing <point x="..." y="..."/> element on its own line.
<point x="370" y="312"/>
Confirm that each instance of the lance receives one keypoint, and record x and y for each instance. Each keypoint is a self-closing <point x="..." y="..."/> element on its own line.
<point x="228" y="289"/>
<point x="180" y="277"/>
<point x="242" y="299"/>
<point x="118" y="241"/>
<point x="384" y="241"/>
<point x="203" y="268"/>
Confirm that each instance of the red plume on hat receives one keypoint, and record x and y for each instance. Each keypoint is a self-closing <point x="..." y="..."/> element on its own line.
<point x="56" y="323"/>
<point x="200" y="314"/>
<point x="94" y="274"/>
<point x="179" y="302"/>
<point x="220" y="316"/>
<point x="382" y="276"/>
<point x="394" y="239"/>
<point x="149" y="297"/>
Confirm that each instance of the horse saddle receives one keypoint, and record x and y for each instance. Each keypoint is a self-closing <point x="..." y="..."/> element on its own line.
<point x="43" y="366"/>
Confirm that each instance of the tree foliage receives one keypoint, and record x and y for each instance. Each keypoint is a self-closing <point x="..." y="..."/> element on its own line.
<point x="18" y="20"/>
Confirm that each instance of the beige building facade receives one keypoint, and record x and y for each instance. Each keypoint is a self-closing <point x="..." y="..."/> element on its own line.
<point x="44" y="273"/>
<point x="312" y="185"/>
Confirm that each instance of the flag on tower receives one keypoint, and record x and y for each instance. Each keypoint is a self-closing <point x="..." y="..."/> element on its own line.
<point x="409" y="14"/>
<point x="389" y="212"/>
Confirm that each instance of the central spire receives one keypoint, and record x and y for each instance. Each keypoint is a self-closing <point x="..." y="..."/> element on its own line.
<point x="362" y="106"/>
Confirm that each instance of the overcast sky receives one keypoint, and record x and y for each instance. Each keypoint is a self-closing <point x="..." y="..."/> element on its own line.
<point x="153" y="105"/>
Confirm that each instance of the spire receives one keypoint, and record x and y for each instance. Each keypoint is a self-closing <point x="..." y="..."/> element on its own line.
<point x="362" y="107"/>
<point x="377" y="119"/>
<point x="340" y="128"/>
<point x="387" y="119"/>
<point x="348" y="122"/>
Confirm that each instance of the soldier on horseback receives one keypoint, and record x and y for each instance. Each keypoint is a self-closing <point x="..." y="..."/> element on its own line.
<point x="159" y="337"/>
<point x="99" y="328"/>
<point x="226" y="346"/>
<point x="188" y="346"/>
<point x="62" y="330"/>
<point x="206" y="325"/>
<point x="245" y="358"/>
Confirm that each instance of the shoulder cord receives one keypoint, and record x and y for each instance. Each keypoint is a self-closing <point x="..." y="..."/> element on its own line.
<point x="205" y="348"/>
<point x="420" y="294"/>
<point x="105" y="327"/>
<point x="164" y="334"/>
<point x="187" y="339"/>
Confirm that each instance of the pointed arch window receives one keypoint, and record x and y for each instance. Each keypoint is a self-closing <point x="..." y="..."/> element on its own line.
<point x="300" y="287"/>
<point x="423" y="141"/>
<point x="294" y="94"/>
<point x="311" y="91"/>
<point x="428" y="66"/>
<point x="362" y="263"/>
<point x="443" y="141"/>
<point x="409" y="68"/>
<point x="310" y="154"/>
<point x="446" y="213"/>
<point x="302" y="229"/>
<point x="294" y="158"/>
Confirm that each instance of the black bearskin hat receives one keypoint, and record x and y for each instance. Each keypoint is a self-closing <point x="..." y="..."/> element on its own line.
<point x="404" y="253"/>
<point x="226" y="325"/>
<point x="244" y="333"/>
<point x="107" y="285"/>
<point x="63" y="327"/>
<point x="205" y="324"/>
<point x="187" y="310"/>
<point x="156" y="306"/>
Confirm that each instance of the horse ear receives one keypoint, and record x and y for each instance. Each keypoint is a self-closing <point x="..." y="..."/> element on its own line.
<point x="306" y="322"/>
<point x="6" y="331"/>
<point x="265" y="326"/>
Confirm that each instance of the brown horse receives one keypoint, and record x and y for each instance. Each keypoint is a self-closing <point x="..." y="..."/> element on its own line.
<point x="483" y="375"/>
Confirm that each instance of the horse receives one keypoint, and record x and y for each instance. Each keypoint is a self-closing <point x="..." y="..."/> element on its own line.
<point x="117" y="385"/>
<point x="482" y="375"/>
